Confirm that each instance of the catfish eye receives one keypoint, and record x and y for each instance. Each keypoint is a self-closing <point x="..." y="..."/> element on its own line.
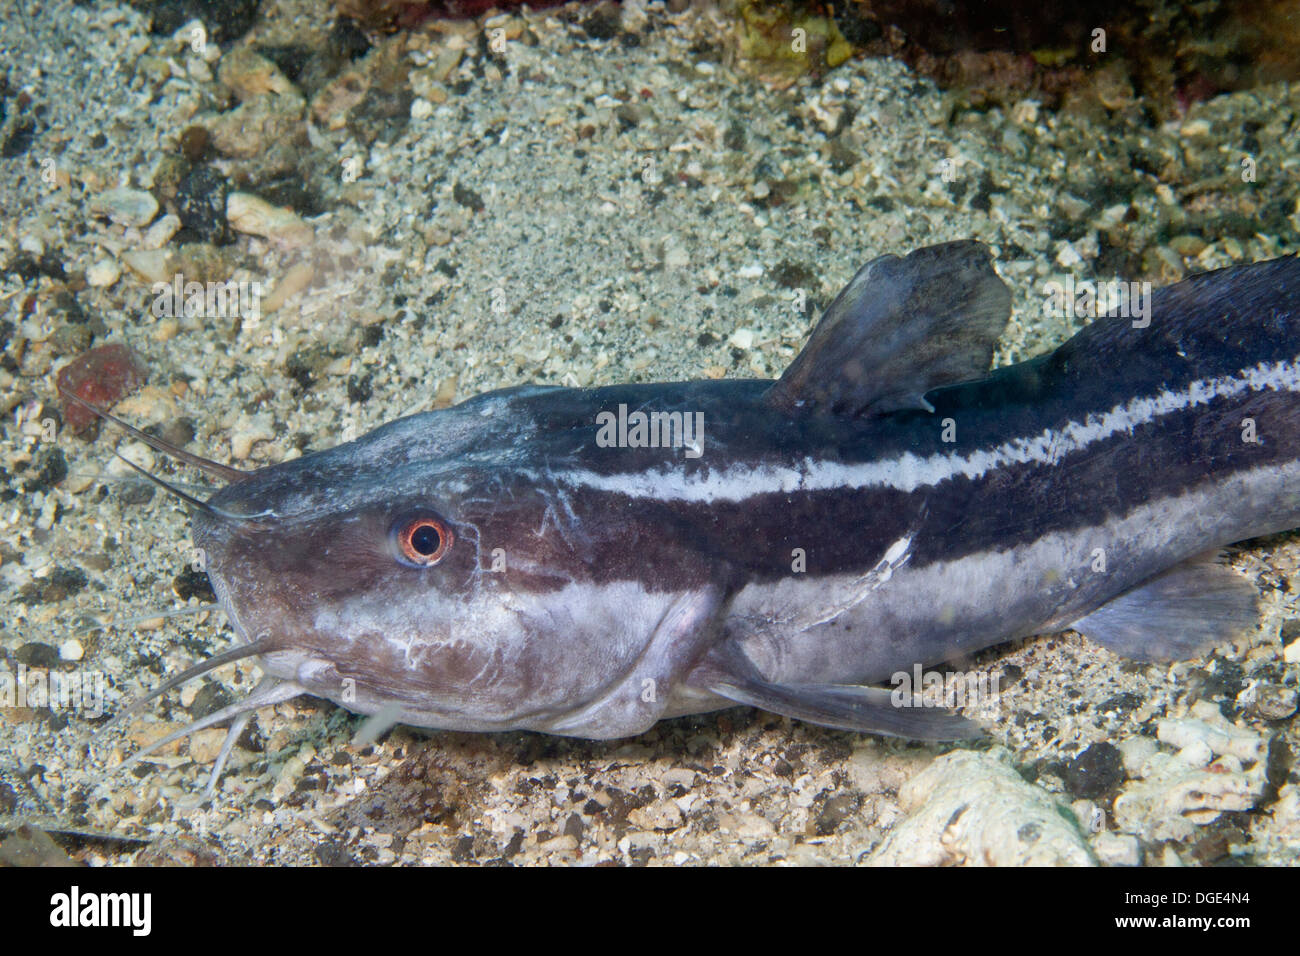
<point x="422" y="541"/>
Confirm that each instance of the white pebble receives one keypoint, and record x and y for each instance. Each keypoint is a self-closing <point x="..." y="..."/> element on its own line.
<point x="1025" y="113"/>
<point x="247" y="433"/>
<point x="1292" y="653"/>
<point x="71" y="650"/>
<point x="1196" y="754"/>
<point x="742" y="339"/>
<point x="255" y="216"/>
<point x="1135" y="752"/>
<point x="127" y="207"/>
<point x="103" y="273"/>
<point x="1115" y="849"/>
<point x="149" y="264"/>
<point x="1207" y="727"/>
<point x="1068" y="256"/>
<point x="160" y="233"/>
<point x="675" y="257"/>
<point x="198" y="69"/>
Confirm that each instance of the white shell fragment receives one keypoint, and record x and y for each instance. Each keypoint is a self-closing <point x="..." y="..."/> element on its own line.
<point x="103" y="273"/>
<point x="255" y="216"/>
<point x="127" y="207"/>
<point x="1184" y="790"/>
<point x="1208" y="729"/>
<point x="972" y="809"/>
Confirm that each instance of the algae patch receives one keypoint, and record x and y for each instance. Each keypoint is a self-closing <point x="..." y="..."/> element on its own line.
<point x="780" y="42"/>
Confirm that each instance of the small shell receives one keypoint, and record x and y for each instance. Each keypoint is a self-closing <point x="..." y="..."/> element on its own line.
<point x="255" y="216"/>
<point x="128" y="207"/>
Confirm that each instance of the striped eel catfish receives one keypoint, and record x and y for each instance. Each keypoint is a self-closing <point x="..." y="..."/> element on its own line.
<point x="588" y="561"/>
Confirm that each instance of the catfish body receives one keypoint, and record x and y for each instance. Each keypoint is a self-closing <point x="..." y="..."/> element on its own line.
<point x="887" y="503"/>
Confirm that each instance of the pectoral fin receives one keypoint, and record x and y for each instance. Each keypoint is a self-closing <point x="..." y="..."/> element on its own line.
<point x="871" y="710"/>
<point x="1180" y="614"/>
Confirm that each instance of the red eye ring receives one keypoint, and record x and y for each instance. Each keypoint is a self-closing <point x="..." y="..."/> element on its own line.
<point x="423" y="541"/>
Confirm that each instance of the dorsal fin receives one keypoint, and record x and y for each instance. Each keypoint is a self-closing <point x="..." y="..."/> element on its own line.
<point x="899" y="329"/>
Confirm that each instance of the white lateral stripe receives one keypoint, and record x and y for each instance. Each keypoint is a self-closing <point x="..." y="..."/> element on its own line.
<point x="910" y="472"/>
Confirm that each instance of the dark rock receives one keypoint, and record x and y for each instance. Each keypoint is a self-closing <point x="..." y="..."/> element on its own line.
<point x="201" y="204"/>
<point x="295" y="191"/>
<point x="1121" y="703"/>
<point x="467" y="197"/>
<point x="36" y="654"/>
<point x="514" y="845"/>
<point x="178" y="431"/>
<point x="628" y="116"/>
<point x="66" y="302"/>
<point x="19" y="139"/>
<point x="858" y="29"/>
<point x="359" y="389"/>
<point x="53" y="468"/>
<point x="290" y="58"/>
<point x="463" y="850"/>
<point x="306" y="366"/>
<point x="225" y="20"/>
<point x="382" y="115"/>
<point x="210" y="699"/>
<point x="573" y="827"/>
<point x="1094" y="772"/>
<point x="135" y="493"/>
<point x="27" y="268"/>
<point x="334" y="854"/>
<point x="603" y="22"/>
<point x="54" y="587"/>
<point x="734" y="137"/>
<point x="194" y="142"/>
<point x="1225" y="680"/>
<point x="794" y="275"/>
<point x="348" y="40"/>
<point x="193" y="584"/>
<point x="835" y="811"/>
